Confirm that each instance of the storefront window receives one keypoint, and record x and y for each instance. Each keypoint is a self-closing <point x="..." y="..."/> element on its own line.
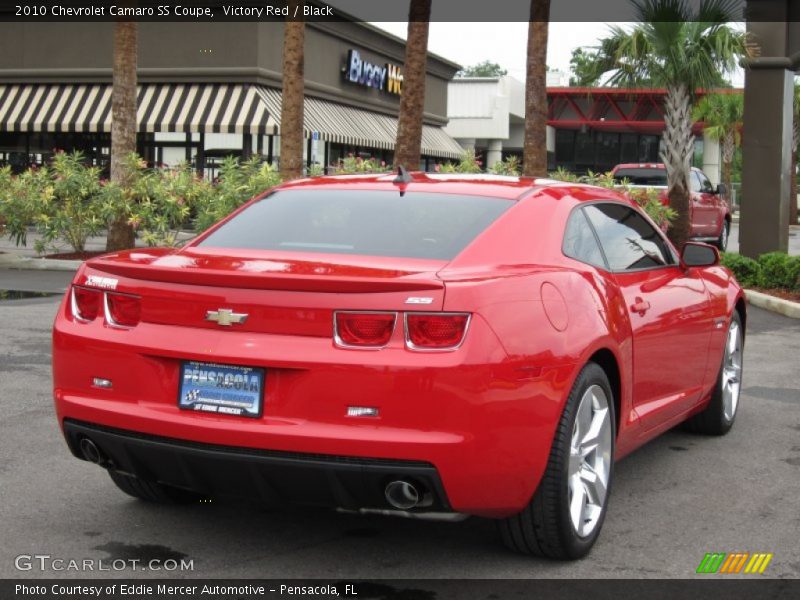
<point x="606" y="151"/>
<point x="584" y="150"/>
<point x="565" y="148"/>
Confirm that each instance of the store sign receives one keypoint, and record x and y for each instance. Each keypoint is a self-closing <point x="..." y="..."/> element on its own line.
<point x="387" y="78"/>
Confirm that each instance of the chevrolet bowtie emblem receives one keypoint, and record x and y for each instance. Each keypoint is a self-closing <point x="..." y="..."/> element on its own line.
<point x="226" y="317"/>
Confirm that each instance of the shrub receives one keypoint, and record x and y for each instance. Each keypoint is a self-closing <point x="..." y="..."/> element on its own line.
<point x="647" y="198"/>
<point x="352" y="165"/>
<point x="779" y="270"/>
<point x="562" y="174"/>
<point x="509" y="166"/>
<point x="237" y="183"/>
<point x="746" y="270"/>
<point x="793" y="266"/>
<point x="467" y="164"/>
<point x="72" y="212"/>
<point x="157" y="203"/>
<point x="23" y="199"/>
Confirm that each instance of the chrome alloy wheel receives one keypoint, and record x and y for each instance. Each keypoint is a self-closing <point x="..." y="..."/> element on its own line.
<point x="589" y="460"/>
<point x="732" y="371"/>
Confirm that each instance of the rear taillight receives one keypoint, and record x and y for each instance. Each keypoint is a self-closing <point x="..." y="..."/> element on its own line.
<point x="435" y="331"/>
<point x="123" y="310"/>
<point x="86" y="303"/>
<point x="364" y="329"/>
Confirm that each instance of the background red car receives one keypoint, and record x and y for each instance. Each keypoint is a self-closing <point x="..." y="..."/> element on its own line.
<point x="710" y="209"/>
<point x="420" y="343"/>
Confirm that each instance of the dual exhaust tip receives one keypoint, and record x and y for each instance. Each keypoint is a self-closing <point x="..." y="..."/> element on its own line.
<point x="91" y="452"/>
<point x="404" y="495"/>
<point x="400" y="494"/>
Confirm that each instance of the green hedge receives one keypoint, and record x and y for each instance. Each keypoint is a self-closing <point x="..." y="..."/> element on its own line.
<point x="772" y="270"/>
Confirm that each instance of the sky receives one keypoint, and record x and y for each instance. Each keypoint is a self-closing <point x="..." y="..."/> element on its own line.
<point x="506" y="43"/>
<point x="503" y="43"/>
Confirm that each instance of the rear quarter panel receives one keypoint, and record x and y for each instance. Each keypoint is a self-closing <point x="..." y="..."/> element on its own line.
<point x="550" y="313"/>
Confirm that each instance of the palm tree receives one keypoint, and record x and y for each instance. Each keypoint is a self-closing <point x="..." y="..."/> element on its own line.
<point x="795" y="143"/>
<point x="412" y="102"/>
<point x="293" y="97"/>
<point x="682" y="50"/>
<point x="534" y="158"/>
<point x="722" y="115"/>
<point x="123" y="123"/>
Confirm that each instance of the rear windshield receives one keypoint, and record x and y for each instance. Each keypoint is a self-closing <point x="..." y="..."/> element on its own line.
<point x="642" y="176"/>
<point x="375" y="223"/>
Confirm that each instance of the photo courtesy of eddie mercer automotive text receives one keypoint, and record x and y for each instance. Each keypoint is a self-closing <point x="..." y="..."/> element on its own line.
<point x="430" y="345"/>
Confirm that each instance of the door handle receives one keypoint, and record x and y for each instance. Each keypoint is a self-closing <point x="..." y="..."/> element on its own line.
<point x="640" y="306"/>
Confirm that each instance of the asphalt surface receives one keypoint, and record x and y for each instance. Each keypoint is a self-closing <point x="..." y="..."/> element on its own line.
<point x="672" y="501"/>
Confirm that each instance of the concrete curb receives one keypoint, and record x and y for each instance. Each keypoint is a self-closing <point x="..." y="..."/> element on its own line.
<point x="14" y="261"/>
<point x="786" y="308"/>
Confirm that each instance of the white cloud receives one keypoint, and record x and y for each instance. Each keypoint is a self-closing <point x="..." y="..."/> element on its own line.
<point x="506" y="43"/>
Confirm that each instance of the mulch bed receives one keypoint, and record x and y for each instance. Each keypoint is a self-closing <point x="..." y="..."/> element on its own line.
<point x="75" y="255"/>
<point x="792" y="296"/>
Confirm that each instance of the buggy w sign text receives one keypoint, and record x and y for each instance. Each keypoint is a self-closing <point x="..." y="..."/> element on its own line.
<point x="387" y="78"/>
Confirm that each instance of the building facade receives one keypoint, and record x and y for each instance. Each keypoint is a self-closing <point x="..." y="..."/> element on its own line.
<point x="589" y="129"/>
<point x="210" y="90"/>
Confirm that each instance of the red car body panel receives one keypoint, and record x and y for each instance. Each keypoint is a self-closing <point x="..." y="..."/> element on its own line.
<point x="709" y="210"/>
<point x="483" y="415"/>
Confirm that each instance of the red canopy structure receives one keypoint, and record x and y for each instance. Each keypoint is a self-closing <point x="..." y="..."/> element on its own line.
<point x="635" y="110"/>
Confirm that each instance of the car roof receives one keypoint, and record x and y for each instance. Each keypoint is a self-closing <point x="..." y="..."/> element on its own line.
<point x="645" y="166"/>
<point x="473" y="184"/>
<point x="640" y="166"/>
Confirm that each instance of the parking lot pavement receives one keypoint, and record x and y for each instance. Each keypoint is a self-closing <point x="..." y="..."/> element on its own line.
<point x="674" y="500"/>
<point x="55" y="282"/>
<point x="794" y="239"/>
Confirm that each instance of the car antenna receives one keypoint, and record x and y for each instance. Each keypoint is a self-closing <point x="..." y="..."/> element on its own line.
<point x="403" y="179"/>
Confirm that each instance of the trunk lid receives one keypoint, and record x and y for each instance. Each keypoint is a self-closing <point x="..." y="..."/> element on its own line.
<point x="281" y="293"/>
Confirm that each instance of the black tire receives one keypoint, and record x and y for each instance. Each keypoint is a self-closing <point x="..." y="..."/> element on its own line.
<point x="722" y="240"/>
<point x="152" y="491"/>
<point x="713" y="420"/>
<point x="544" y="528"/>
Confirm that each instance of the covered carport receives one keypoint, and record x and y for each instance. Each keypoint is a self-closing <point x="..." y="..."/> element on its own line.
<point x="773" y="27"/>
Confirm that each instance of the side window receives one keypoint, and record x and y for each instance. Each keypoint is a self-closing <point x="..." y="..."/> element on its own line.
<point x="628" y="240"/>
<point x="694" y="181"/>
<point x="705" y="184"/>
<point x="580" y="242"/>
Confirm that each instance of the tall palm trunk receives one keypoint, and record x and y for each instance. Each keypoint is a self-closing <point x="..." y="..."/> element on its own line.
<point x="412" y="102"/>
<point x="123" y="123"/>
<point x="677" y="155"/>
<point x="293" y="97"/>
<point x="534" y="160"/>
<point x="728" y="154"/>
<point x="793" y="186"/>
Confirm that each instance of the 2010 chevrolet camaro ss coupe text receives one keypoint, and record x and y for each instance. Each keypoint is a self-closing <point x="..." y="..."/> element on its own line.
<point x="418" y="343"/>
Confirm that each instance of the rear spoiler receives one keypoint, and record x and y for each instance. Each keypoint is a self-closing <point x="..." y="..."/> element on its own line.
<point x="267" y="281"/>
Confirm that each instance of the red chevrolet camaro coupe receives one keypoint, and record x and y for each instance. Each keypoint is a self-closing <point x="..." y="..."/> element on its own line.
<point x="411" y="343"/>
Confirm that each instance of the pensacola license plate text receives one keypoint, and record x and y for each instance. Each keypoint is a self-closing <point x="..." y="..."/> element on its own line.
<point x="221" y="389"/>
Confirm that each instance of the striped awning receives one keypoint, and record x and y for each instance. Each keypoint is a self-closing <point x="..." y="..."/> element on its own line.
<point x="202" y="108"/>
<point x="86" y="108"/>
<point x="357" y="127"/>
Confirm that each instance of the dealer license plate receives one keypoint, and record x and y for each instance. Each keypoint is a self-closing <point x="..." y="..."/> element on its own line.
<point x="221" y="389"/>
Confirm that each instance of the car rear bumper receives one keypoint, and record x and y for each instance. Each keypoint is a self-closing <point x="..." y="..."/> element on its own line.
<point x="271" y="477"/>
<point x="482" y="419"/>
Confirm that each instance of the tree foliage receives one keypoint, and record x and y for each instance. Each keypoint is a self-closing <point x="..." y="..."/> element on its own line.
<point x="722" y="115"/>
<point x="682" y="49"/>
<point x="486" y="68"/>
<point x="582" y="65"/>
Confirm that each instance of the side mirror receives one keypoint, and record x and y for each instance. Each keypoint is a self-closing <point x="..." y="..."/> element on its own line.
<point x="722" y="190"/>
<point x="696" y="254"/>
